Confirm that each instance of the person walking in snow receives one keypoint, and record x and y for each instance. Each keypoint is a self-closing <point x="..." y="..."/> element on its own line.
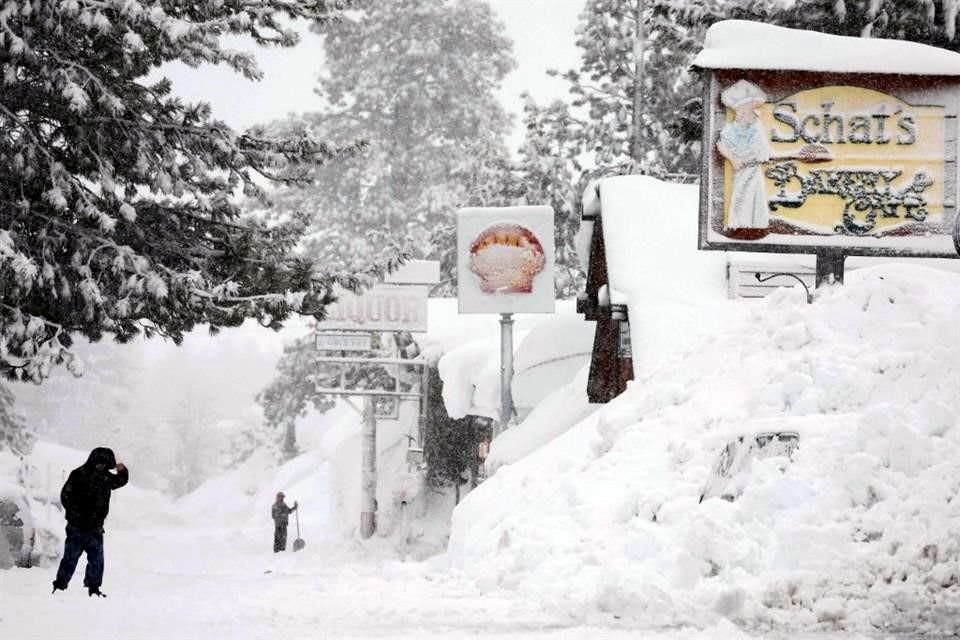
<point x="86" y="499"/>
<point x="281" y="517"/>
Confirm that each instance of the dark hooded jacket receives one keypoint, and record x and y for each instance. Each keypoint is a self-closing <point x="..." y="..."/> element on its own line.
<point x="281" y="513"/>
<point x="86" y="494"/>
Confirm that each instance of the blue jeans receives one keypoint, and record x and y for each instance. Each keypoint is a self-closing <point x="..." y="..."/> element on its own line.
<point x="78" y="542"/>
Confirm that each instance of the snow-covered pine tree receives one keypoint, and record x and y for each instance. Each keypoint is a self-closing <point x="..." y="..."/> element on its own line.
<point x="119" y="211"/>
<point x="549" y="172"/>
<point x="629" y="110"/>
<point x="416" y="79"/>
<point x="300" y="372"/>
<point x="633" y="79"/>
<point x="293" y="391"/>
<point x="933" y="22"/>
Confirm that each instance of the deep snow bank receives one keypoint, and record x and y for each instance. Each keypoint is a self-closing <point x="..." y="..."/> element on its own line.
<point x="325" y="481"/>
<point x="860" y="531"/>
<point x="467" y="351"/>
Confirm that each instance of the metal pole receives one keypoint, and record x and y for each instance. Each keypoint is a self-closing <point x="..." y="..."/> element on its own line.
<point x="506" y="369"/>
<point x="424" y="406"/>
<point x="368" y="478"/>
<point x="829" y="267"/>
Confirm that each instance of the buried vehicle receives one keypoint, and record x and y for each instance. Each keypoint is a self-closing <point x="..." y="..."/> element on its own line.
<point x="17" y="531"/>
<point x="737" y="456"/>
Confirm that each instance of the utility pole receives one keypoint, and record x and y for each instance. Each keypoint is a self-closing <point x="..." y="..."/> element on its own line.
<point x="636" y="146"/>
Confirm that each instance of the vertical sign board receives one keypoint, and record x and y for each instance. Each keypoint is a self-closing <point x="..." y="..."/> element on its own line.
<point x="505" y="260"/>
<point x="817" y="161"/>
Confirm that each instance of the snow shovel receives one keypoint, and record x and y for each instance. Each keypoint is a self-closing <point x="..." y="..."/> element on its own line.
<point x="298" y="543"/>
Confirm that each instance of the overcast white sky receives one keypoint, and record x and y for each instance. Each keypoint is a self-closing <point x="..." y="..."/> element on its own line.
<point x="541" y="30"/>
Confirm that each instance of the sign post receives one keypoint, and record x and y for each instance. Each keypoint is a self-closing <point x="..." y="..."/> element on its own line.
<point x="399" y="305"/>
<point x="368" y="445"/>
<point x="506" y="370"/>
<point x="368" y="471"/>
<point x="505" y="258"/>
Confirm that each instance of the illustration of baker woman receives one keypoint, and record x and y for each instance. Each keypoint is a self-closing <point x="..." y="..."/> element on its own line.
<point x="743" y="143"/>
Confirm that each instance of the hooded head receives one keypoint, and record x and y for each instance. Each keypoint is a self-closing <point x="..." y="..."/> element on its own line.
<point x="280" y="496"/>
<point x="102" y="455"/>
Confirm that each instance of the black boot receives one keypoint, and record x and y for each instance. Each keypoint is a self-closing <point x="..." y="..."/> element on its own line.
<point x="56" y="587"/>
<point x="95" y="591"/>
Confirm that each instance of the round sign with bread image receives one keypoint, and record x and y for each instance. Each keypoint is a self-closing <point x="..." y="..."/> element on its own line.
<point x="506" y="257"/>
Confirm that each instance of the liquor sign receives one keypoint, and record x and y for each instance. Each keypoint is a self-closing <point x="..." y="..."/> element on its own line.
<point x="384" y="307"/>
<point x="505" y="260"/>
<point x="327" y="341"/>
<point x="816" y="160"/>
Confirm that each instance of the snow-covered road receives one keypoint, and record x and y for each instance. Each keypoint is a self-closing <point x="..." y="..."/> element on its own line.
<point x="193" y="582"/>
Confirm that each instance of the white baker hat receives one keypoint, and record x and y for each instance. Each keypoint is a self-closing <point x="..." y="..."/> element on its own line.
<point x="741" y="92"/>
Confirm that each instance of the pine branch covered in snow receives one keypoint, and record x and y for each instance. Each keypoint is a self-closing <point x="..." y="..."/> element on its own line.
<point x="118" y="200"/>
<point x="932" y="22"/>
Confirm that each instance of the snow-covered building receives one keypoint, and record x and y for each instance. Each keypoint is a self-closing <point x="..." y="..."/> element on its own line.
<point x="637" y="240"/>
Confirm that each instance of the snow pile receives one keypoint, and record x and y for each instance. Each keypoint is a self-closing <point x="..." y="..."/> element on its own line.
<point x="559" y="411"/>
<point x="549" y="357"/>
<point x="649" y="232"/>
<point x="243" y="496"/>
<point x="740" y="44"/>
<point x="471" y="378"/>
<point x="467" y="351"/>
<point x="325" y="481"/>
<point x="860" y="531"/>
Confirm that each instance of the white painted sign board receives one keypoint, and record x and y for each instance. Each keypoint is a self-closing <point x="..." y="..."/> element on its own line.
<point x="505" y="260"/>
<point x="385" y="307"/>
<point x="327" y="341"/>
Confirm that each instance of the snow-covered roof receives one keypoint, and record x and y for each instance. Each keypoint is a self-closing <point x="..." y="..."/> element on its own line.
<point x="649" y="236"/>
<point x="741" y="44"/>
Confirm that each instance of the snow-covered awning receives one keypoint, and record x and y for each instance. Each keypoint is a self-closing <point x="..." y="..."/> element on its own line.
<point x="741" y="44"/>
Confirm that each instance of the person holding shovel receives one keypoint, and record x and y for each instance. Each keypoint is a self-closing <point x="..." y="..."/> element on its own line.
<point x="281" y="516"/>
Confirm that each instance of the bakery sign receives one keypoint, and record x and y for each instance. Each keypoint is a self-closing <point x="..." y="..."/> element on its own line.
<point x="505" y="260"/>
<point x="835" y="157"/>
<point x="829" y="165"/>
